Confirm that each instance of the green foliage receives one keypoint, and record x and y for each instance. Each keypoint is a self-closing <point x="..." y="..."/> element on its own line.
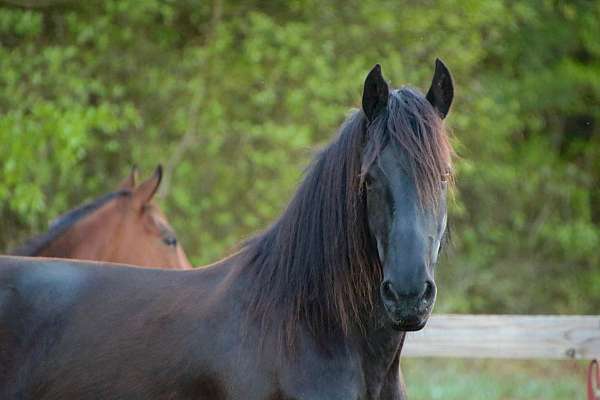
<point x="234" y="98"/>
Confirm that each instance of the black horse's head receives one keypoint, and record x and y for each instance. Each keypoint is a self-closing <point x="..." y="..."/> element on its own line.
<point x="406" y="170"/>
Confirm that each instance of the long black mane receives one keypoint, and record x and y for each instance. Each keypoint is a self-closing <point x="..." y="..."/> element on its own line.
<point x="35" y="245"/>
<point x="317" y="266"/>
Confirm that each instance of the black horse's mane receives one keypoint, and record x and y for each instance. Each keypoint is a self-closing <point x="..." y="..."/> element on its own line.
<point x="33" y="246"/>
<point x="316" y="267"/>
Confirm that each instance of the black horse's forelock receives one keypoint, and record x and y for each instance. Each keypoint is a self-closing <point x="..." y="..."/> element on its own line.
<point x="317" y="267"/>
<point x="413" y="124"/>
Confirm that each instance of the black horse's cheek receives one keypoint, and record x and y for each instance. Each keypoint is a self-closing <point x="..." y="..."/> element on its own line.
<point x="378" y="211"/>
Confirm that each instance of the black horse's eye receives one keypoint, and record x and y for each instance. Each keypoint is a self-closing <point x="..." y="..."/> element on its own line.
<point x="170" y="241"/>
<point x="369" y="181"/>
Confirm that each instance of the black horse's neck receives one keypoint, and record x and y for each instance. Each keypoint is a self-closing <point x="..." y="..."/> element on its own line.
<point x="313" y="276"/>
<point x="317" y="266"/>
<point x="380" y="353"/>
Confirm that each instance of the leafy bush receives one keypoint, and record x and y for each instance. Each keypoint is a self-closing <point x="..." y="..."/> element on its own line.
<point x="235" y="98"/>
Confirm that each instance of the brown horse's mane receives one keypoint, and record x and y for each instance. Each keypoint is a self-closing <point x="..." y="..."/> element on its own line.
<point x="317" y="267"/>
<point x="35" y="245"/>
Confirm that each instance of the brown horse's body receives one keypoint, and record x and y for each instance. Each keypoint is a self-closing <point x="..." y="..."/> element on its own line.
<point x="120" y="227"/>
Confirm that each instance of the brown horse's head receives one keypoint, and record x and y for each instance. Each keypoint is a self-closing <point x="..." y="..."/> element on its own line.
<point x="145" y="237"/>
<point x="124" y="226"/>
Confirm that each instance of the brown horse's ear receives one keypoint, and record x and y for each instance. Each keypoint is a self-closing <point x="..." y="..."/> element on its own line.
<point x="147" y="189"/>
<point x="129" y="182"/>
<point x="441" y="92"/>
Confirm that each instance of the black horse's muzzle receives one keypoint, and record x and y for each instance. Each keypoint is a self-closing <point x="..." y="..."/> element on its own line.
<point x="410" y="311"/>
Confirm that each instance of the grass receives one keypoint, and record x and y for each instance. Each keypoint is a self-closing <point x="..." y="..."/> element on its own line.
<point x="450" y="379"/>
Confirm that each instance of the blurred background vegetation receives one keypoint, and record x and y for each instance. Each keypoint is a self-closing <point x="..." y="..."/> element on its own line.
<point x="233" y="97"/>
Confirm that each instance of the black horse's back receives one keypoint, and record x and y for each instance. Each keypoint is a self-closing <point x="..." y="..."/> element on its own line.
<point x="11" y="327"/>
<point x="34" y="305"/>
<point x="39" y="291"/>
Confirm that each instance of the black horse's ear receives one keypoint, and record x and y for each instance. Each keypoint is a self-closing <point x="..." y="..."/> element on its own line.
<point x="375" y="93"/>
<point x="441" y="92"/>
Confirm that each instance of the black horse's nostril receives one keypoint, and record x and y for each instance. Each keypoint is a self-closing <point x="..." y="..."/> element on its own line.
<point x="388" y="292"/>
<point x="429" y="291"/>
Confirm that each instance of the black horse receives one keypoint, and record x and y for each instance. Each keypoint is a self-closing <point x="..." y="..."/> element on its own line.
<point x="315" y="307"/>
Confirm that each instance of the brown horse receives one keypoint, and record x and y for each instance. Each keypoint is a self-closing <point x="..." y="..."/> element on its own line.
<point x="316" y="307"/>
<point x="124" y="226"/>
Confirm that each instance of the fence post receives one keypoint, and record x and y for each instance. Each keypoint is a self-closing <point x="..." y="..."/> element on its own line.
<point x="593" y="383"/>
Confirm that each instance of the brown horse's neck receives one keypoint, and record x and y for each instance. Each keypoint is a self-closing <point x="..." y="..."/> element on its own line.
<point x="102" y="225"/>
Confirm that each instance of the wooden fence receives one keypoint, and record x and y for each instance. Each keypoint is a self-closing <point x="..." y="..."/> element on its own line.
<point x="507" y="336"/>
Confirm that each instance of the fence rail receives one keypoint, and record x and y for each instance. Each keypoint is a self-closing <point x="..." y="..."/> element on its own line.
<point x="507" y="336"/>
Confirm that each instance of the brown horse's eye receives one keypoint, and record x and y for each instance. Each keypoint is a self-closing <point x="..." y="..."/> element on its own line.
<point x="170" y="241"/>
